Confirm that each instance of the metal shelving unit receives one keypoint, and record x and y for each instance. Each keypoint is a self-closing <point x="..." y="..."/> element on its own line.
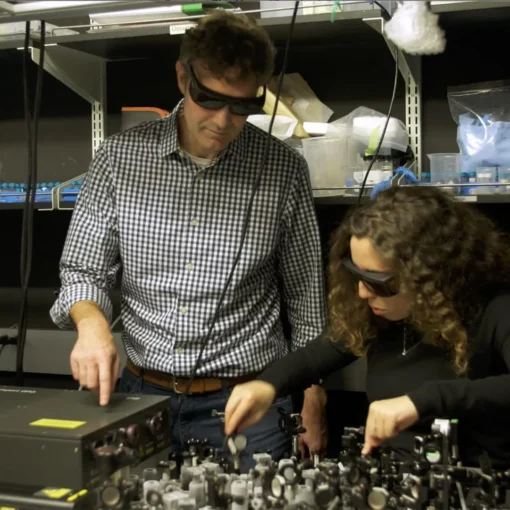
<point x="353" y="200"/>
<point x="39" y="206"/>
<point x="136" y="39"/>
<point x="106" y="43"/>
<point x="320" y="199"/>
<point x="79" y="60"/>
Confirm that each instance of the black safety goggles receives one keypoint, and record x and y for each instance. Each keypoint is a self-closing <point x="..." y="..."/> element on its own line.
<point x="207" y="98"/>
<point x="380" y="284"/>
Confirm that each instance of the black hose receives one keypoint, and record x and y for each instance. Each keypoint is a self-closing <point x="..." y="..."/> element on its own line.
<point x="32" y="125"/>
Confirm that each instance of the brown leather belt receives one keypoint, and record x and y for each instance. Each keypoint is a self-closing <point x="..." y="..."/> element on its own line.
<point x="180" y="384"/>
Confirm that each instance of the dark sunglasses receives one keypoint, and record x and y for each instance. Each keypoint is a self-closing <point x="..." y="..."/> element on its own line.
<point x="207" y="98"/>
<point x="380" y="284"/>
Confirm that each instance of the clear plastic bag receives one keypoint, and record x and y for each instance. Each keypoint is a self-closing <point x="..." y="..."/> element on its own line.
<point x="482" y="113"/>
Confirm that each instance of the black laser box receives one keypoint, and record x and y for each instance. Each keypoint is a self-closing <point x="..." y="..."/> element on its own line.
<point x="64" y="439"/>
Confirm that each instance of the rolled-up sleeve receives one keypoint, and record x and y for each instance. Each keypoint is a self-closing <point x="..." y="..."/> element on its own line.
<point x="90" y="260"/>
<point x="300" y="263"/>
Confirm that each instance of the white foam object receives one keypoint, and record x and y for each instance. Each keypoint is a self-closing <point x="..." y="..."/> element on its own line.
<point x="316" y="128"/>
<point x="415" y="30"/>
<point x="323" y="128"/>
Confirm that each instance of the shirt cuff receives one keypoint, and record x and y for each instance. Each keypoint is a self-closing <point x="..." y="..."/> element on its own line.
<point x="71" y="295"/>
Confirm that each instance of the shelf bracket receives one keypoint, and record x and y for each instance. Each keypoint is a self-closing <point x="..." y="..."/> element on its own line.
<point x="410" y="69"/>
<point x="56" y="194"/>
<point x="84" y="74"/>
<point x="99" y="113"/>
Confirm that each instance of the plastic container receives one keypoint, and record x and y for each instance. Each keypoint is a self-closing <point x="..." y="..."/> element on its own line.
<point x="11" y="192"/>
<point x="504" y="178"/>
<point x="283" y="126"/>
<point x="486" y="175"/>
<point x="467" y="178"/>
<point x="326" y="158"/>
<point x="296" y="144"/>
<point x="374" y="177"/>
<point x="445" y="169"/>
<point x="350" y="182"/>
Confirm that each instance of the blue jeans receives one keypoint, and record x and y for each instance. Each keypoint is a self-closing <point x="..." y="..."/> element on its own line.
<point x="195" y="420"/>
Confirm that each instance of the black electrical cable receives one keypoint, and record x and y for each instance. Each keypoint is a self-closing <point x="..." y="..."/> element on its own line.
<point x="250" y="204"/>
<point x="395" y="83"/>
<point x="23" y="255"/>
<point x="28" y="128"/>
<point x="386" y="14"/>
<point x="31" y="124"/>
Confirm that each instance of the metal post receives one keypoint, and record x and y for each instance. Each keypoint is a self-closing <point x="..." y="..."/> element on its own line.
<point x="99" y="115"/>
<point x="413" y="114"/>
<point x="410" y="69"/>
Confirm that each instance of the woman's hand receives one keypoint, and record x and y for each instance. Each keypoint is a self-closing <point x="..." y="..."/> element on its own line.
<point x="247" y="405"/>
<point x="386" y="418"/>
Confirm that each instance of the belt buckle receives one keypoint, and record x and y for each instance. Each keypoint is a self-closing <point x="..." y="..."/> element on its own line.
<point x="175" y="385"/>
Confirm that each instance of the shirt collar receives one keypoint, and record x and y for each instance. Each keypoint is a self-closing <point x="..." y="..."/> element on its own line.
<point x="170" y="142"/>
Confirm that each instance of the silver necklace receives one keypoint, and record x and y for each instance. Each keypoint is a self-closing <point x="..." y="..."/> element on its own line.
<point x="405" y="350"/>
<point x="404" y="342"/>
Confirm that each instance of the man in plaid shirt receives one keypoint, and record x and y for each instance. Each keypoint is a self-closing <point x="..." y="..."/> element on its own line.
<point x="166" y="200"/>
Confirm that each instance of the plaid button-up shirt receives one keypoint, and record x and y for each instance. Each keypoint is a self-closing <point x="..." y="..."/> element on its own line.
<point x="175" y="228"/>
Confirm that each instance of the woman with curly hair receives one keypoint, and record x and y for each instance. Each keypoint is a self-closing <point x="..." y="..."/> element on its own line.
<point x="420" y="284"/>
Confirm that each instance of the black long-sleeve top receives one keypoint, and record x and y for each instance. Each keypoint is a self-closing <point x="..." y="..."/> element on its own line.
<point x="480" y="400"/>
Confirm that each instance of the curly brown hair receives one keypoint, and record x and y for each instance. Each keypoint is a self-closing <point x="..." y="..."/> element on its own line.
<point x="444" y="253"/>
<point x="223" y="40"/>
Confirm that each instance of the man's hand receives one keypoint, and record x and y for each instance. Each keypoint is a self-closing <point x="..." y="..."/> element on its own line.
<point x="315" y="438"/>
<point x="95" y="362"/>
<point x="386" y="418"/>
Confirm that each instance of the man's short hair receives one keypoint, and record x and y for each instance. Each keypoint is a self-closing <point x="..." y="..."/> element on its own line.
<point x="223" y="40"/>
